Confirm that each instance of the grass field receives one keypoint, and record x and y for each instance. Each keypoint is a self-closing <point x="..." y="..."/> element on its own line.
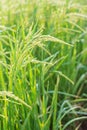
<point x="43" y="64"/>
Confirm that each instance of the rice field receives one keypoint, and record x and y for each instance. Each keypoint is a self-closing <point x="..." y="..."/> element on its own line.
<point x="43" y="65"/>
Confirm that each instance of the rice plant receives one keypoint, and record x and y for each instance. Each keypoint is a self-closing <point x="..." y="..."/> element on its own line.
<point x="43" y="64"/>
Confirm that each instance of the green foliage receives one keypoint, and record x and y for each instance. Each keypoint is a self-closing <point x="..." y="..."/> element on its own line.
<point x="43" y="64"/>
